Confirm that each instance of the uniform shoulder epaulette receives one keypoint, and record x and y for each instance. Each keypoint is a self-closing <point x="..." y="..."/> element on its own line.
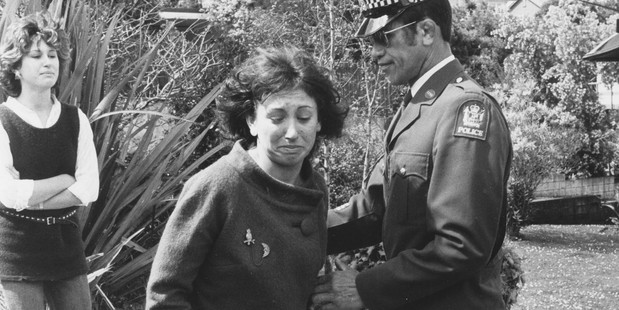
<point x="466" y="83"/>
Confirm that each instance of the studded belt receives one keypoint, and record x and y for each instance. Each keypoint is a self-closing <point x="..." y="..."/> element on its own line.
<point x="49" y="220"/>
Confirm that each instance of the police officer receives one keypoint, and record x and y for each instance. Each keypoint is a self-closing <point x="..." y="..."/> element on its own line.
<point x="438" y="197"/>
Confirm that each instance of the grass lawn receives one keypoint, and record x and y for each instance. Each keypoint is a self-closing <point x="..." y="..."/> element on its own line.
<point x="569" y="267"/>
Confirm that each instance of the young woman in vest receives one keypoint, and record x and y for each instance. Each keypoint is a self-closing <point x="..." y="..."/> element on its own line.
<point x="48" y="169"/>
<point x="249" y="231"/>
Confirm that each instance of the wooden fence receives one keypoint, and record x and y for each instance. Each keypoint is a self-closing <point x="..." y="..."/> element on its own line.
<point x="558" y="186"/>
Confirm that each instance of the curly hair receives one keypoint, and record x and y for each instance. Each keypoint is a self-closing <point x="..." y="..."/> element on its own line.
<point x="273" y="70"/>
<point x="20" y="36"/>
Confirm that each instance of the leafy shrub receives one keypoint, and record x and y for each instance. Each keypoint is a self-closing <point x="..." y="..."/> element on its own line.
<point x="512" y="276"/>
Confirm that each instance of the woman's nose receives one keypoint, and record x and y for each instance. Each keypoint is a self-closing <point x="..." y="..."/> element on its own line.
<point x="292" y="131"/>
<point x="47" y="61"/>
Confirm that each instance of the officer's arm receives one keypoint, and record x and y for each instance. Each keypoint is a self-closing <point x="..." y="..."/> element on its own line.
<point x="358" y="223"/>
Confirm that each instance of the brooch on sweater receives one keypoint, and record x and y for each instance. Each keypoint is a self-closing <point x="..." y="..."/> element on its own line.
<point x="265" y="250"/>
<point x="249" y="240"/>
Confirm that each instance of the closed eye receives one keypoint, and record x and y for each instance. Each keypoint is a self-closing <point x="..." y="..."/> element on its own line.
<point x="276" y="119"/>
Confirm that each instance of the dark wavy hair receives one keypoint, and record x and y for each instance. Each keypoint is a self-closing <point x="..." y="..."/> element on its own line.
<point x="20" y="37"/>
<point x="270" y="71"/>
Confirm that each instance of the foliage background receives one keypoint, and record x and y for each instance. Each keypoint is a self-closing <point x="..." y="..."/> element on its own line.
<point x="149" y="89"/>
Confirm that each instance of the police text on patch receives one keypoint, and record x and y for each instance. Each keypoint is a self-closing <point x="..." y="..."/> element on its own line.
<point x="472" y="120"/>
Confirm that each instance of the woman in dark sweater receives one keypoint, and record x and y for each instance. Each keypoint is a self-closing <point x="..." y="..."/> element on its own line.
<point x="248" y="232"/>
<point x="48" y="169"/>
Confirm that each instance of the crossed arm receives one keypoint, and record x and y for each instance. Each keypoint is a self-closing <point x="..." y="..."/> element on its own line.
<point x="51" y="193"/>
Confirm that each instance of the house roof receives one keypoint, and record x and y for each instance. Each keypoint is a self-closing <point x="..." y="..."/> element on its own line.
<point x="607" y="50"/>
<point x="514" y="4"/>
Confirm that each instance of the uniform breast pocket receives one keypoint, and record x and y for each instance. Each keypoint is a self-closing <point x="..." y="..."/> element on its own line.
<point x="408" y="186"/>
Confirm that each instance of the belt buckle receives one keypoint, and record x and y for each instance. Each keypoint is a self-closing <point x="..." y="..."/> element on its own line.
<point x="50" y="220"/>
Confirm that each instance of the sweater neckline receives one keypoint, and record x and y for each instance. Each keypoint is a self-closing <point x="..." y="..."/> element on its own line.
<point x="29" y="125"/>
<point x="308" y="191"/>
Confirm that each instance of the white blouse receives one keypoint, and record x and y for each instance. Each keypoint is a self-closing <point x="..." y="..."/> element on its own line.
<point x="15" y="193"/>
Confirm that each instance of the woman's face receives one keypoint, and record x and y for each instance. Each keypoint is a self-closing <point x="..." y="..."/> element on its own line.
<point x="285" y="125"/>
<point x="39" y="67"/>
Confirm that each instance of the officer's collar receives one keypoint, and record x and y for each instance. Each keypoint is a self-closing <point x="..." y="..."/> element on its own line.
<point x="426" y="76"/>
<point x="452" y="72"/>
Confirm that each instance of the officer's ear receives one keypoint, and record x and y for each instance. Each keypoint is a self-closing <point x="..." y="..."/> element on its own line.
<point x="428" y="31"/>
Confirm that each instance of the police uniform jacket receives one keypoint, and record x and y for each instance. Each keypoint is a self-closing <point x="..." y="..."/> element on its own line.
<point x="437" y="198"/>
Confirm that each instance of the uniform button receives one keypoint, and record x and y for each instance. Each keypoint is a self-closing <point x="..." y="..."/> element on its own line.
<point x="402" y="170"/>
<point x="459" y="79"/>
<point x="308" y="227"/>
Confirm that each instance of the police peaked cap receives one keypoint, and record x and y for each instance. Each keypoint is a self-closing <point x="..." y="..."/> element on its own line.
<point x="378" y="13"/>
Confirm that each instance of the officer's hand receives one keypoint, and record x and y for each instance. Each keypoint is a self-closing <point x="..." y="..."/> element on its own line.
<point x="337" y="290"/>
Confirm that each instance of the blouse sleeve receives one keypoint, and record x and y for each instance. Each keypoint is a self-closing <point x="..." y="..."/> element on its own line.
<point x="14" y="193"/>
<point x="86" y="186"/>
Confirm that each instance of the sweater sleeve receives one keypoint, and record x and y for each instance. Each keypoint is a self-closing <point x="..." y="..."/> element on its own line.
<point x="184" y="246"/>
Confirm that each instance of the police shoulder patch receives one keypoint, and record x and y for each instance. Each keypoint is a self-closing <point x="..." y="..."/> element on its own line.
<point x="472" y="120"/>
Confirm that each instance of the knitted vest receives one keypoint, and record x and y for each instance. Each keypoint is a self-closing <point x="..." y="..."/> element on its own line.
<point x="31" y="250"/>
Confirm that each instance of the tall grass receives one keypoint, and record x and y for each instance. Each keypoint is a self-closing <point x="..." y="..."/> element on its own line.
<point x="139" y="82"/>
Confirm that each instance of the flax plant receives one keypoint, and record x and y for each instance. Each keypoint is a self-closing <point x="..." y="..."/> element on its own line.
<point x="128" y="79"/>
